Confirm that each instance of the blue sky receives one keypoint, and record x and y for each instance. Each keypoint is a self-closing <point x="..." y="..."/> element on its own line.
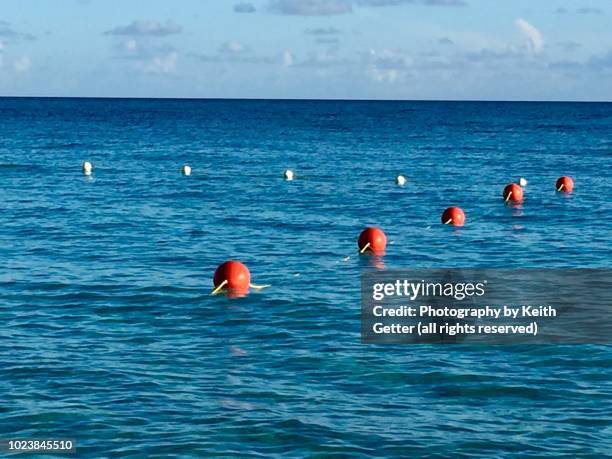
<point x="355" y="49"/>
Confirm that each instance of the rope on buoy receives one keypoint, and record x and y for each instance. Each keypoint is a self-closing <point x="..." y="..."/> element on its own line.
<point x="453" y="216"/>
<point x="372" y="239"/>
<point x="219" y="287"/>
<point x="365" y="247"/>
<point x="232" y="276"/>
<point x="259" y="287"/>
<point x="235" y="278"/>
<point x="564" y="184"/>
<point x="513" y="192"/>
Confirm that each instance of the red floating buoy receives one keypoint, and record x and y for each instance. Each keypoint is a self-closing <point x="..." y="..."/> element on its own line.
<point x="373" y="240"/>
<point x="513" y="193"/>
<point x="232" y="276"/>
<point x="453" y="216"/>
<point x="565" y="184"/>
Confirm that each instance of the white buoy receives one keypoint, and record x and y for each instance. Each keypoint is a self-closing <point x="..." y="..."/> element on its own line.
<point x="522" y="182"/>
<point x="288" y="174"/>
<point x="87" y="168"/>
<point x="186" y="170"/>
<point x="400" y="180"/>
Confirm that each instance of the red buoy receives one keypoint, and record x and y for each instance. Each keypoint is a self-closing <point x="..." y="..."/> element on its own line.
<point x="565" y="184"/>
<point x="373" y="240"/>
<point x="232" y="276"/>
<point x="513" y="193"/>
<point x="453" y="216"/>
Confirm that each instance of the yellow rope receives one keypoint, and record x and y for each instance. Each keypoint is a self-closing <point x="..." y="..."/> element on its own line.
<point x="259" y="287"/>
<point x="219" y="287"/>
<point x="365" y="247"/>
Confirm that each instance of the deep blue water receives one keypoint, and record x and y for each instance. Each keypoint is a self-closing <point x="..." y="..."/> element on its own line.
<point x="109" y="335"/>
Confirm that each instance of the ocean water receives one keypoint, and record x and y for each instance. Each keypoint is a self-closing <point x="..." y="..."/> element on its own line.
<point x="109" y="335"/>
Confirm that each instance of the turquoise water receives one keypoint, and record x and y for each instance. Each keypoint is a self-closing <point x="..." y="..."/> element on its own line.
<point x="109" y="335"/>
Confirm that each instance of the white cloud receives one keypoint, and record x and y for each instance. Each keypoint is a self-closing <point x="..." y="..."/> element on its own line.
<point x="147" y="57"/>
<point x="22" y="64"/>
<point x="146" y="28"/>
<point x="387" y="65"/>
<point x="322" y="31"/>
<point x="161" y="64"/>
<point x="287" y="58"/>
<point x="233" y="47"/>
<point x="244" y="8"/>
<point x="311" y="7"/>
<point x="236" y="52"/>
<point x="383" y="75"/>
<point x="534" y="37"/>
<point x="389" y="58"/>
<point x="130" y="44"/>
<point x="589" y="10"/>
<point x="322" y="59"/>
<point x="331" y="7"/>
<point x="10" y="34"/>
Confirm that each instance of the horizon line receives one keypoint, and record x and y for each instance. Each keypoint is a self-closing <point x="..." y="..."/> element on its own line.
<point x="298" y="99"/>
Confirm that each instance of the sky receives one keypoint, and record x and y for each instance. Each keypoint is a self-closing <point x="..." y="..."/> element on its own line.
<point x="308" y="49"/>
